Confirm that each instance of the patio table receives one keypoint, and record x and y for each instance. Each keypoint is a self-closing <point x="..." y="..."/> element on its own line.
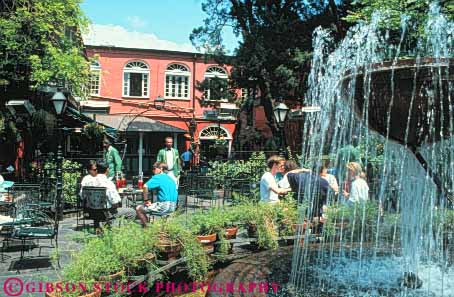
<point x="133" y="196"/>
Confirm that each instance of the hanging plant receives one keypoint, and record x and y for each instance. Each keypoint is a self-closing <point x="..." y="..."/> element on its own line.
<point x="42" y="125"/>
<point x="94" y="134"/>
<point x="94" y="131"/>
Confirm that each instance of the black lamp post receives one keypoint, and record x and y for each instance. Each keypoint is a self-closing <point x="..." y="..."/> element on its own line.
<point x="59" y="101"/>
<point x="280" y="115"/>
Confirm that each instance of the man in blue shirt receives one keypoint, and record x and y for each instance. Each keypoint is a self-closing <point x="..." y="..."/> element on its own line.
<point x="186" y="157"/>
<point x="167" y="194"/>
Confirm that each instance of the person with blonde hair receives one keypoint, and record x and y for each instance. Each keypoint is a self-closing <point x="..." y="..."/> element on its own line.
<point x="359" y="190"/>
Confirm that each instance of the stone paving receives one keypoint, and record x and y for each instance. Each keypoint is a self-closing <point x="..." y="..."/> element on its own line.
<point x="39" y="269"/>
<point x="43" y="269"/>
<point x="259" y="272"/>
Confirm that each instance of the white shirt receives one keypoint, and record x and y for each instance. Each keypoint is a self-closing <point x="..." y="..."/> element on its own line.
<point x="88" y="181"/>
<point x="169" y="159"/>
<point x="332" y="181"/>
<point x="112" y="194"/>
<point x="266" y="194"/>
<point x="359" y="191"/>
<point x="1" y="179"/>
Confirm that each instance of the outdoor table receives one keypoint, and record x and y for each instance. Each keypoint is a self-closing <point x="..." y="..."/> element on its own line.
<point x="132" y="196"/>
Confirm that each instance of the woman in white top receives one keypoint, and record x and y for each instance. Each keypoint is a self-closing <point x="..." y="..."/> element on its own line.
<point x="359" y="190"/>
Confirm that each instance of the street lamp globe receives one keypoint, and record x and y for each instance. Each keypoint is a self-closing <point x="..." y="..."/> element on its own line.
<point x="280" y="113"/>
<point x="59" y="101"/>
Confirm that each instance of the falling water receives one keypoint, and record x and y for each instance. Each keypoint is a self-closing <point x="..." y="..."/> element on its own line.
<point x="371" y="247"/>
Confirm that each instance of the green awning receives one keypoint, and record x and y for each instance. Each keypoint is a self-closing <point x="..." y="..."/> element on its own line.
<point x="80" y="117"/>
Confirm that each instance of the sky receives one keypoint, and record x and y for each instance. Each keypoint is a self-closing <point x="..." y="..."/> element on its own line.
<point x="161" y="24"/>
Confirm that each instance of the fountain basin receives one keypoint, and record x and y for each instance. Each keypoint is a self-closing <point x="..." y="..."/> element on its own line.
<point x="418" y="96"/>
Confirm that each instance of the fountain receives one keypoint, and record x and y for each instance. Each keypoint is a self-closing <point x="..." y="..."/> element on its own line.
<point x="399" y="101"/>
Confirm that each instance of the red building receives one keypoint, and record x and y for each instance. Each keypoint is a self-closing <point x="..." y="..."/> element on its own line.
<point x="149" y="94"/>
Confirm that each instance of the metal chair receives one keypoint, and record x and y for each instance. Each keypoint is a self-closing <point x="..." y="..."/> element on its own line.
<point x="33" y="194"/>
<point x="94" y="204"/>
<point x="203" y="190"/>
<point x="30" y="222"/>
<point x="43" y="227"/>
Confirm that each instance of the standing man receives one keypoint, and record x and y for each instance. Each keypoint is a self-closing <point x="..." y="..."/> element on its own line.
<point x="112" y="158"/>
<point x="269" y="190"/>
<point x="171" y="157"/>
<point x="186" y="157"/>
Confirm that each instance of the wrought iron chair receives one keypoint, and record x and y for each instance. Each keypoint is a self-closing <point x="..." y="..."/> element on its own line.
<point x="35" y="195"/>
<point x="203" y="189"/>
<point x="43" y="226"/>
<point x="95" y="207"/>
<point x="30" y="222"/>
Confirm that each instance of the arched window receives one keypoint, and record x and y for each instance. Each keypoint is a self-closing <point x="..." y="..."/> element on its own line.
<point x="214" y="132"/>
<point x="216" y="79"/>
<point x="177" y="82"/>
<point x="95" y="78"/>
<point x="135" y="79"/>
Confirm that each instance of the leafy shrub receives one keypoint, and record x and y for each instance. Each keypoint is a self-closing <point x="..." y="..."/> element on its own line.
<point x="71" y="173"/>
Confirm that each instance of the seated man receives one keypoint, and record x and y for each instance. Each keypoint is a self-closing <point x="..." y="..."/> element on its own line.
<point x="167" y="194"/>
<point x="113" y="198"/>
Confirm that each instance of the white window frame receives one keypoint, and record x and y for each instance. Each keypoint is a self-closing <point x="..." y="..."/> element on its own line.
<point x="136" y="67"/>
<point x="95" y="69"/>
<point x="213" y="132"/>
<point x="214" y="71"/>
<point x="177" y="70"/>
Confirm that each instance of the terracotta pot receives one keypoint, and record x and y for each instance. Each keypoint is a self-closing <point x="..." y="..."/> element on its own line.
<point x="230" y="233"/>
<point x="300" y="227"/>
<point x="167" y="250"/>
<point x="61" y="294"/>
<point x="252" y="230"/>
<point x="207" y="241"/>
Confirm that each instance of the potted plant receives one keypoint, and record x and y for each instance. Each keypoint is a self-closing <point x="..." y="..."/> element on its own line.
<point x="230" y="221"/>
<point x="168" y="246"/>
<point x="206" y="225"/>
<point x="95" y="262"/>
<point x="131" y="245"/>
<point x="181" y="241"/>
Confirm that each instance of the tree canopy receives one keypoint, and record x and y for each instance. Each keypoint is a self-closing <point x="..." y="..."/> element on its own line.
<point x="276" y="41"/>
<point x="40" y="42"/>
<point x="416" y="12"/>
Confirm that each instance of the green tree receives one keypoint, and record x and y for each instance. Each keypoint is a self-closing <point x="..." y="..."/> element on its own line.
<point x="392" y="11"/>
<point x="40" y="42"/>
<point x="276" y="42"/>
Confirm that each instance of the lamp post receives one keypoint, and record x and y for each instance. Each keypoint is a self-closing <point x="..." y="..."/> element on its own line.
<point x="280" y="115"/>
<point x="59" y="101"/>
